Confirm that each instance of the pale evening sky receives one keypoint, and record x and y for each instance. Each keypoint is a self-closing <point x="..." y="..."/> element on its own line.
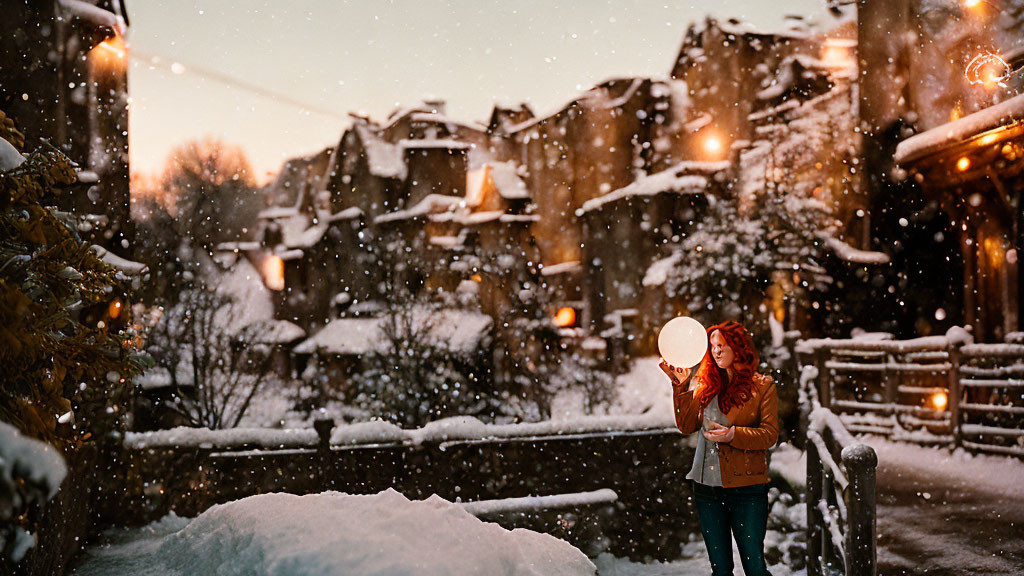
<point x="340" y="56"/>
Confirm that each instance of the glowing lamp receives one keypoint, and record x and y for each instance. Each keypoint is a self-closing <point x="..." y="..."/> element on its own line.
<point x="963" y="163"/>
<point x="713" y="145"/>
<point x="273" y="272"/>
<point x="939" y="400"/>
<point x="971" y="3"/>
<point x="683" y="342"/>
<point x="565" y="317"/>
<point x="114" y="309"/>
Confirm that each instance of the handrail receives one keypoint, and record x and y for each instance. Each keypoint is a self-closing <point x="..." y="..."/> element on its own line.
<point x="840" y="499"/>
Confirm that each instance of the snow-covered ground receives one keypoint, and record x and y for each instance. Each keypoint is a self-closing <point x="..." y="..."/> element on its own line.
<point x="332" y="533"/>
<point x="945" y="512"/>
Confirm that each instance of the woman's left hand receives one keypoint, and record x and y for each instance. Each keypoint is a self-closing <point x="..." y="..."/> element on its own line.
<point x="721" y="435"/>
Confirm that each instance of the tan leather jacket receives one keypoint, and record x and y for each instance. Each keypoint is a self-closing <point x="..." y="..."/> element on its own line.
<point x="744" y="461"/>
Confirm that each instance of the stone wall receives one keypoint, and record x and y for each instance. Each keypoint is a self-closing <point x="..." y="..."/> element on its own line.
<point x="652" y="517"/>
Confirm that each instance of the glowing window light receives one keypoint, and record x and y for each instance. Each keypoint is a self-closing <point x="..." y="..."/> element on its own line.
<point x="713" y="144"/>
<point x="114" y="309"/>
<point x="940" y="400"/>
<point x="273" y="272"/>
<point x="565" y="317"/>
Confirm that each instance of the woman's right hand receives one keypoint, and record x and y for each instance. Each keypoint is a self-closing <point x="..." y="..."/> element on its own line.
<point x="676" y="374"/>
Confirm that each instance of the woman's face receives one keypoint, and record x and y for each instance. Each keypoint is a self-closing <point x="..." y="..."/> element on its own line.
<point x="721" y="351"/>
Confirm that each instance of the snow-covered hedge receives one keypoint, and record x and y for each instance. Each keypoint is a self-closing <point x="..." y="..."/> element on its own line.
<point x="455" y="429"/>
<point x="30" y="475"/>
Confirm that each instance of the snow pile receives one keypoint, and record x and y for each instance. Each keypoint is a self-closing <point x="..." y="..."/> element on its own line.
<point x="678" y="179"/>
<point x="30" y="475"/>
<point x="10" y="158"/>
<point x="384" y="534"/>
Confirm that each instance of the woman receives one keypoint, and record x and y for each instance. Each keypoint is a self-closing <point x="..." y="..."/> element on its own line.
<point x="736" y="409"/>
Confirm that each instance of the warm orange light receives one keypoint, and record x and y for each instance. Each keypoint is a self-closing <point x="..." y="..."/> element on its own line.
<point x="712" y="144"/>
<point x="565" y="317"/>
<point x="114" y="309"/>
<point x="110" y="50"/>
<point x="476" y="278"/>
<point x="987" y="69"/>
<point x="273" y="272"/>
<point x="987" y="139"/>
<point x="971" y="3"/>
<point x="838" y="52"/>
<point x="963" y="163"/>
<point x="939" y="400"/>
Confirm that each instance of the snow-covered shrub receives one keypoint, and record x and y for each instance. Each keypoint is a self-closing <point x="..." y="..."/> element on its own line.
<point x="211" y="359"/>
<point x="30" y="475"/>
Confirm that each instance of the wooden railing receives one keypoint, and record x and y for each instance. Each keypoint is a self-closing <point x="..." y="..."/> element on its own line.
<point x="934" y="390"/>
<point x="840" y="499"/>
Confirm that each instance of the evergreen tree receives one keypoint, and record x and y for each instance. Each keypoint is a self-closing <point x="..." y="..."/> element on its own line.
<point x="64" y="379"/>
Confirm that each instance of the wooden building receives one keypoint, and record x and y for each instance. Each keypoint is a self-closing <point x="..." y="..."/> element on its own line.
<point x="65" y="81"/>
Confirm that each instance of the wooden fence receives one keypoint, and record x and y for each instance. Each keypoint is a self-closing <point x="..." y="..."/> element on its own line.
<point x="933" y="390"/>
<point x="840" y="500"/>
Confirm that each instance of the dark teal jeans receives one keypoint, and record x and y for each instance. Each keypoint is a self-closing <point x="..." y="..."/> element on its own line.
<point x="725" y="512"/>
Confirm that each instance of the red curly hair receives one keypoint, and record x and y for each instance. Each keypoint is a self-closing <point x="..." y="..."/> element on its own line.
<point x="738" y="390"/>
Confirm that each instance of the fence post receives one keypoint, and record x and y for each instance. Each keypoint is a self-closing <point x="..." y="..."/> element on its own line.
<point x="323" y="427"/>
<point x="861" y="556"/>
<point x="814" y="527"/>
<point x="821" y="355"/>
<point x="954" y="392"/>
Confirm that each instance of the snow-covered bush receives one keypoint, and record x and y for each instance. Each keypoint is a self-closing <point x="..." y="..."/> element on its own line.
<point x="30" y="475"/>
<point x="211" y="359"/>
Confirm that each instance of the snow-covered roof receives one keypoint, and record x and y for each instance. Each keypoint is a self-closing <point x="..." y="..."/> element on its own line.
<point x="432" y="204"/>
<point x="506" y="179"/>
<point x="456" y="330"/>
<point x="384" y="159"/>
<point x="790" y="70"/>
<point x="679" y="179"/>
<point x="277" y="332"/>
<point x="1001" y="115"/>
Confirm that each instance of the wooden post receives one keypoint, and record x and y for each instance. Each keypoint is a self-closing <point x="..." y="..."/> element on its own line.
<point x="323" y="427"/>
<point x="954" y="392"/>
<point x="861" y="554"/>
<point x="824" y="381"/>
<point x="814" y="523"/>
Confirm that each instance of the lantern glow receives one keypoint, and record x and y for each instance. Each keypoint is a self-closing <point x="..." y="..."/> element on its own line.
<point x="273" y="272"/>
<point x="963" y="164"/>
<point x="565" y="317"/>
<point x="940" y="400"/>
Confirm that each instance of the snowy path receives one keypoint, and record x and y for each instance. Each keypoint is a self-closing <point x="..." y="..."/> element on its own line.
<point x="943" y="513"/>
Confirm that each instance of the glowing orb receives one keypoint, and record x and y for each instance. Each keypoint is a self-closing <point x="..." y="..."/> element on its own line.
<point x="683" y="342"/>
<point x="963" y="163"/>
<point x="939" y="400"/>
